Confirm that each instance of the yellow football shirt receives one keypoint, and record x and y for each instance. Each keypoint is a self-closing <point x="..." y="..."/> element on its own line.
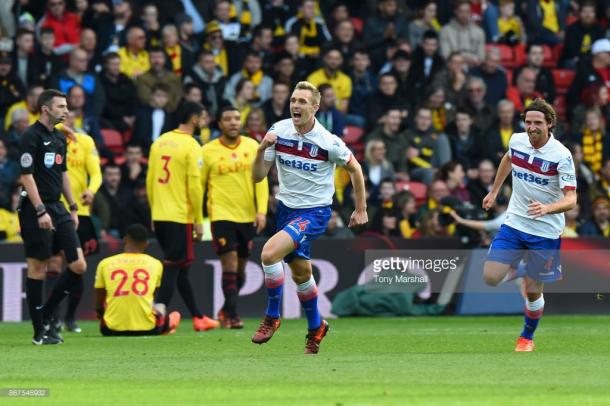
<point x="130" y="281"/>
<point x="9" y="224"/>
<point x="84" y="170"/>
<point x="8" y="119"/>
<point x="227" y="177"/>
<point x="341" y="83"/>
<point x="173" y="181"/>
<point x="133" y="65"/>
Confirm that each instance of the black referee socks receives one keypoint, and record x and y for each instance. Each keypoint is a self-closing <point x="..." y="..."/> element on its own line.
<point x="62" y="287"/>
<point x="33" y="291"/>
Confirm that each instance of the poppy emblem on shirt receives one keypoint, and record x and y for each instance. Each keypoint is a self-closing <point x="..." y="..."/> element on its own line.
<point x="58" y="159"/>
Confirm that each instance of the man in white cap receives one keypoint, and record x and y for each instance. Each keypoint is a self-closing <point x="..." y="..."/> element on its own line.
<point x="597" y="70"/>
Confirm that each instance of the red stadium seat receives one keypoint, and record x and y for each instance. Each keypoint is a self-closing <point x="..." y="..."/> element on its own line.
<point x="520" y="54"/>
<point x="352" y="134"/>
<point x="560" y="106"/>
<point x="419" y="190"/>
<point x="113" y="140"/>
<point x="563" y="79"/>
<point x="507" y="56"/>
<point x="549" y="59"/>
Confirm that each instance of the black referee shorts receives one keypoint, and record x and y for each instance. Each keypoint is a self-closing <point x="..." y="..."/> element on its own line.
<point x="228" y="236"/>
<point x="87" y="235"/>
<point x="176" y="241"/>
<point x="43" y="244"/>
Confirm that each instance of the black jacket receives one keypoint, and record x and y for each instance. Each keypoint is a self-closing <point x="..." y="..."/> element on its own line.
<point x="121" y="100"/>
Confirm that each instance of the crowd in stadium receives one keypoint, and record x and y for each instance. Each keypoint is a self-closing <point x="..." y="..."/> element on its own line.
<point x="425" y="93"/>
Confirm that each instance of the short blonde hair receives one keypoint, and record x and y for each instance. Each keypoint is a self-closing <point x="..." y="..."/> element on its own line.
<point x="315" y="93"/>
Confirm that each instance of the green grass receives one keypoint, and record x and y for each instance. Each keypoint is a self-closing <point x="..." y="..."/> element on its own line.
<point x="392" y="361"/>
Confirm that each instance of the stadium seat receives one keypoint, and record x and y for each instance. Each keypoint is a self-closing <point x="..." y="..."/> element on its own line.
<point x="507" y="56"/>
<point x="549" y="59"/>
<point x="557" y="51"/>
<point x="419" y="190"/>
<point x="352" y="134"/>
<point x="560" y="106"/>
<point x="113" y="140"/>
<point x="520" y="54"/>
<point x="120" y="159"/>
<point x="563" y="79"/>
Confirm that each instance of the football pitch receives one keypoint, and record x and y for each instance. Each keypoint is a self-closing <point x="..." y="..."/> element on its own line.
<point x="389" y="361"/>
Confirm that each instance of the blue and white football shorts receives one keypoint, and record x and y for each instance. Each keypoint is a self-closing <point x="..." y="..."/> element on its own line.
<point x="542" y="254"/>
<point x="303" y="225"/>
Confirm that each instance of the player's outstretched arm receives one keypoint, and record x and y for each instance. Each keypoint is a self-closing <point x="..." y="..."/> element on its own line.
<point x="359" y="216"/>
<point x="262" y="166"/>
<point x="503" y="171"/>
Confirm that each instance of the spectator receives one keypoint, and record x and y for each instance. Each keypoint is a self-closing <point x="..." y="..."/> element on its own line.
<point x="121" y="96"/>
<point x="192" y="92"/>
<point x="594" y="96"/>
<point x="66" y="26"/>
<point x="153" y="119"/>
<point x="572" y="225"/>
<point x="479" y="187"/>
<point x="124" y="17"/>
<point x="19" y="123"/>
<point x="9" y="169"/>
<point x="437" y="191"/>
<point x="284" y="69"/>
<point x="602" y="186"/>
<point x="9" y="218"/>
<point x="277" y="107"/>
<point x="231" y="28"/>
<point x="585" y="179"/>
<point x="111" y="202"/>
<point x="443" y="112"/>
<point x="253" y="71"/>
<point x="594" y="140"/>
<point x="386" y="222"/>
<point x="30" y="104"/>
<point x="133" y="171"/>
<point x="23" y="54"/>
<point x="224" y="53"/>
<point x="256" y="126"/>
<point x="385" y="98"/>
<point x="187" y="38"/>
<point x="525" y="91"/>
<point x="427" y="149"/>
<point x="345" y="39"/>
<point x="309" y="29"/>
<point x="506" y="124"/>
<point x="597" y="70"/>
<point x="210" y="78"/>
<point x="149" y="21"/>
<point x="465" y="140"/>
<point x="134" y="57"/>
<point x="427" y="62"/>
<point x="463" y="35"/>
<point x="481" y="111"/>
<point x="275" y="15"/>
<point x="303" y="65"/>
<point x="401" y="69"/>
<point x="407" y="205"/>
<point x="452" y="173"/>
<point x="180" y="58"/>
<point x="384" y="197"/>
<point x="244" y="99"/>
<point x="84" y="120"/>
<point x="453" y="79"/>
<point x="424" y="22"/>
<point x="545" y="84"/>
<point x="328" y="115"/>
<point x="395" y="141"/>
<point x="493" y="75"/>
<point x="44" y="63"/>
<point x="364" y="84"/>
<point x="98" y="17"/>
<point x="511" y="30"/>
<point x="11" y="88"/>
<point x="336" y="228"/>
<point x="76" y="74"/>
<point x="545" y="20"/>
<point x="138" y="208"/>
<point x="88" y="43"/>
<point x="580" y="35"/>
<point x="599" y="225"/>
<point x="338" y="13"/>
<point x="262" y="38"/>
<point x="376" y="166"/>
<point x="157" y="74"/>
<point x="382" y="29"/>
<point x="331" y="73"/>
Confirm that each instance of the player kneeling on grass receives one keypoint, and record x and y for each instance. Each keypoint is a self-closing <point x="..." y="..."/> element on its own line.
<point x="125" y="286"/>
<point x="544" y="187"/>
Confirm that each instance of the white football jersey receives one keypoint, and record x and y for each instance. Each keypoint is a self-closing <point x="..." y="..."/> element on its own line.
<point x="538" y="174"/>
<point x="306" y="164"/>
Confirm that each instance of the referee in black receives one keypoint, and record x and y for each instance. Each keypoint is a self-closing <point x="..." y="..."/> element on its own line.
<point x="46" y="226"/>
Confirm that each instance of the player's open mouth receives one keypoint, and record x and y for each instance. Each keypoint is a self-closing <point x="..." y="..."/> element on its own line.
<point x="296" y="114"/>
